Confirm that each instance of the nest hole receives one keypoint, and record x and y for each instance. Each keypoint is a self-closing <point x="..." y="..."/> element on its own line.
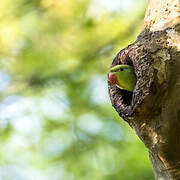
<point x="122" y="100"/>
<point x="126" y="97"/>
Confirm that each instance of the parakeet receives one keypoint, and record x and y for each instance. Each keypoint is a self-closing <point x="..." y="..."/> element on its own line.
<point x="123" y="77"/>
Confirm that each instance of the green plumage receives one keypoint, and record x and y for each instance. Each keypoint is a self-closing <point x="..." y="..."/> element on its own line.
<point x="126" y="78"/>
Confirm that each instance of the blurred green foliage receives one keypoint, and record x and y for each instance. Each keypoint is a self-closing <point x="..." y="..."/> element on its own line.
<point x="56" y="120"/>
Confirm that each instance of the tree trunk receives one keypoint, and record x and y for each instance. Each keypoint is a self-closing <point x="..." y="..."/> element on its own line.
<point x="153" y="109"/>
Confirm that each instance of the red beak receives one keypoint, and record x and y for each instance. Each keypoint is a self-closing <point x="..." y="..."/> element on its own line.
<point x="112" y="78"/>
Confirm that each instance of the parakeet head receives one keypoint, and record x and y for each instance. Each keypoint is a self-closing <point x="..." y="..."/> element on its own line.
<point x="123" y="77"/>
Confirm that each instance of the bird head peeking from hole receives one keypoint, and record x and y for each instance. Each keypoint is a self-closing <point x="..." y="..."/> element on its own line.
<point x="123" y="77"/>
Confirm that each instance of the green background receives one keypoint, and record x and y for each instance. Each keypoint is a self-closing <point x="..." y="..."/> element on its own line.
<point x="56" y="119"/>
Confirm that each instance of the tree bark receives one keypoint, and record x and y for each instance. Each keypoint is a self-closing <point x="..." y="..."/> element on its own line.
<point x="153" y="109"/>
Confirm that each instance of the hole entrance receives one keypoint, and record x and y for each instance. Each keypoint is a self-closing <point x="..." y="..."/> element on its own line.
<point x="126" y="97"/>
<point x="121" y="99"/>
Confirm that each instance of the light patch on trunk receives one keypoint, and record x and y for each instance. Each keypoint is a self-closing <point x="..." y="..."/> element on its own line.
<point x="162" y="14"/>
<point x="160" y="64"/>
<point x="154" y="138"/>
<point x="173" y="38"/>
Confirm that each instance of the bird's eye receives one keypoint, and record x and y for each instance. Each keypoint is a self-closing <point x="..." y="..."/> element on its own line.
<point x="121" y="69"/>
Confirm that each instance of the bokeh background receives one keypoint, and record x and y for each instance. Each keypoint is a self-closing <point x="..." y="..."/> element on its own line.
<point x="56" y="120"/>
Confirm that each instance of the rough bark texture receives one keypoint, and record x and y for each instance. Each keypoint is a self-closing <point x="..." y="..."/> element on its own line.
<point x="153" y="109"/>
